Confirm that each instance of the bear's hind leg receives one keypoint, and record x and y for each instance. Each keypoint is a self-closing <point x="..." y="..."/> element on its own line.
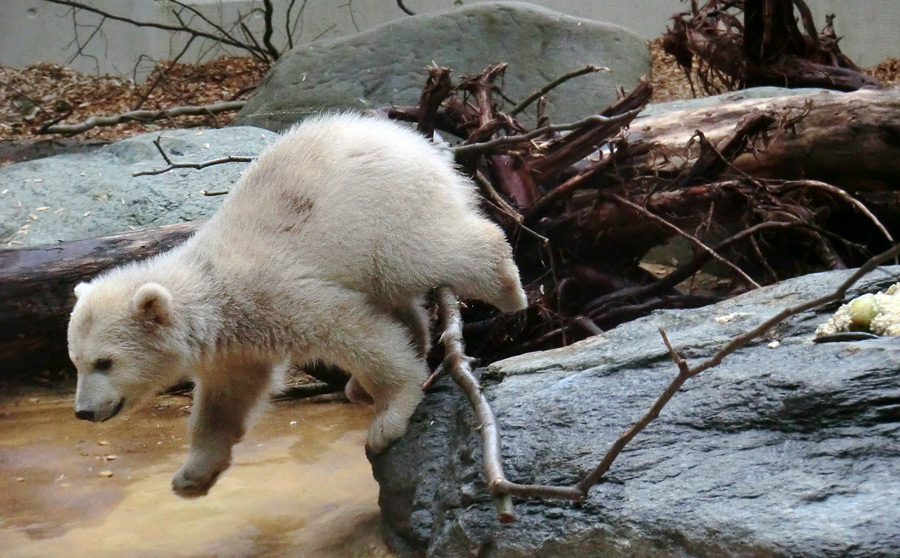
<point x="482" y="267"/>
<point x="376" y="349"/>
<point x="220" y="416"/>
<point x="417" y="320"/>
<point x="396" y="399"/>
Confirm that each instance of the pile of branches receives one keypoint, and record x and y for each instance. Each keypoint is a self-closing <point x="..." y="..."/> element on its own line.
<point x="584" y="203"/>
<point x="732" y="44"/>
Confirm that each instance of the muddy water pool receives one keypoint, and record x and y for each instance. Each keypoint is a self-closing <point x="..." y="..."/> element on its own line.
<point x="300" y="484"/>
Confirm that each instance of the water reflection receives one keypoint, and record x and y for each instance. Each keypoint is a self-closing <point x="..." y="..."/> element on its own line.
<point x="300" y="485"/>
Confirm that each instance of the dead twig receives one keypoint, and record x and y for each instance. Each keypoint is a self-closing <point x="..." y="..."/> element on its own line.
<point x="253" y="49"/>
<point x="580" y="180"/>
<point x="686" y="372"/>
<point x="459" y="367"/>
<point x="437" y="87"/>
<point x="480" y="148"/>
<point x="171" y="165"/>
<point x="497" y="482"/>
<point x="406" y="10"/>
<point x="525" y="103"/>
<point x="161" y="74"/>
<point x="685" y="270"/>
<point x="716" y="159"/>
<point x="457" y="364"/>
<point x="268" y="13"/>
<point x="693" y="239"/>
<point x="834" y="190"/>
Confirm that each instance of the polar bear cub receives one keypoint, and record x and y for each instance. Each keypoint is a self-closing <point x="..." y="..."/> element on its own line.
<point x="322" y="251"/>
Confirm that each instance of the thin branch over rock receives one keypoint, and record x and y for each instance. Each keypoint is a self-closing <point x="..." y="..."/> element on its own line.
<point x="202" y="165"/>
<point x="457" y="364"/>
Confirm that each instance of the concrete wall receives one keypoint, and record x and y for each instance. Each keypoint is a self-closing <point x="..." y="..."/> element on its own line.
<point x="33" y="31"/>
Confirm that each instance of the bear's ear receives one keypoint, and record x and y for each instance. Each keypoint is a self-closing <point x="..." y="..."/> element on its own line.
<point x="153" y="302"/>
<point x="82" y="289"/>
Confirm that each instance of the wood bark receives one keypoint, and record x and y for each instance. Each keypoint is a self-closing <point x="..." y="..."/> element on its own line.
<point x="850" y="140"/>
<point x="36" y="290"/>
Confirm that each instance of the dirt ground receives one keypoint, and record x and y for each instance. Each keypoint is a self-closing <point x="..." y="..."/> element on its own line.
<point x="35" y="96"/>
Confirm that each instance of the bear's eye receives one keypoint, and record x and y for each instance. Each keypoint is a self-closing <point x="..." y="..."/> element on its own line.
<point x="102" y="365"/>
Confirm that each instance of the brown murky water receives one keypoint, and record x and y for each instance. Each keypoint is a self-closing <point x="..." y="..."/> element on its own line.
<point x="300" y="485"/>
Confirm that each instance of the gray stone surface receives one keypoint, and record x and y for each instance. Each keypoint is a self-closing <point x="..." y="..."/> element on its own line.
<point x="83" y="195"/>
<point x="785" y="451"/>
<point x="385" y="66"/>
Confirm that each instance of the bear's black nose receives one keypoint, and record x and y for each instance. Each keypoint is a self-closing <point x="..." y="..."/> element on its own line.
<point x="85" y="415"/>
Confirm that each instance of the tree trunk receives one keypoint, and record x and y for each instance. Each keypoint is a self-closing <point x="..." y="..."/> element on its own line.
<point x="850" y="140"/>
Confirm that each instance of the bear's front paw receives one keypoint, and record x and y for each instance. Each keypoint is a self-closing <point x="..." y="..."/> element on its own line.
<point x="194" y="479"/>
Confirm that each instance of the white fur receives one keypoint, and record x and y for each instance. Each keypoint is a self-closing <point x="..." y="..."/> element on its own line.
<point x="322" y="251"/>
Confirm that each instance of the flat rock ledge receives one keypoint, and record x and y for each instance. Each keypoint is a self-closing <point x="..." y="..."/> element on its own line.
<point x="788" y="448"/>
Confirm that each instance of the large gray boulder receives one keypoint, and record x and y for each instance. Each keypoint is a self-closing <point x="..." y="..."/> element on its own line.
<point x="783" y="450"/>
<point x="89" y="194"/>
<point x="385" y="66"/>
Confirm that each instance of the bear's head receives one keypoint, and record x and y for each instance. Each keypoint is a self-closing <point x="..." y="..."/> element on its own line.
<point x="123" y="339"/>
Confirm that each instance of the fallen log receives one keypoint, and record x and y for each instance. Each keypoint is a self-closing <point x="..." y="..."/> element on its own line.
<point x="851" y="140"/>
<point x="36" y="290"/>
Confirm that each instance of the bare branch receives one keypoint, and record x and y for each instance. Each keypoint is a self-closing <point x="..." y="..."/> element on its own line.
<point x="495" y="199"/>
<point x="458" y="366"/>
<point x="290" y="27"/>
<point x="493" y="145"/>
<point x="620" y="443"/>
<point x="687" y="269"/>
<point x="580" y="180"/>
<point x="685" y="372"/>
<point x="142" y="115"/>
<point x="81" y="46"/>
<point x="224" y="32"/>
<point x="696" y="241"/>
<point x="249" y="35"/>
<point x="437" y="87"/>
<point x="197" y="166"/>
<point x="163" y="26"/>
<point x="553" y="85"/>
<point x="815" y="184"/>
<point x="267" y="35"/>
<point x="161" y="75"/>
